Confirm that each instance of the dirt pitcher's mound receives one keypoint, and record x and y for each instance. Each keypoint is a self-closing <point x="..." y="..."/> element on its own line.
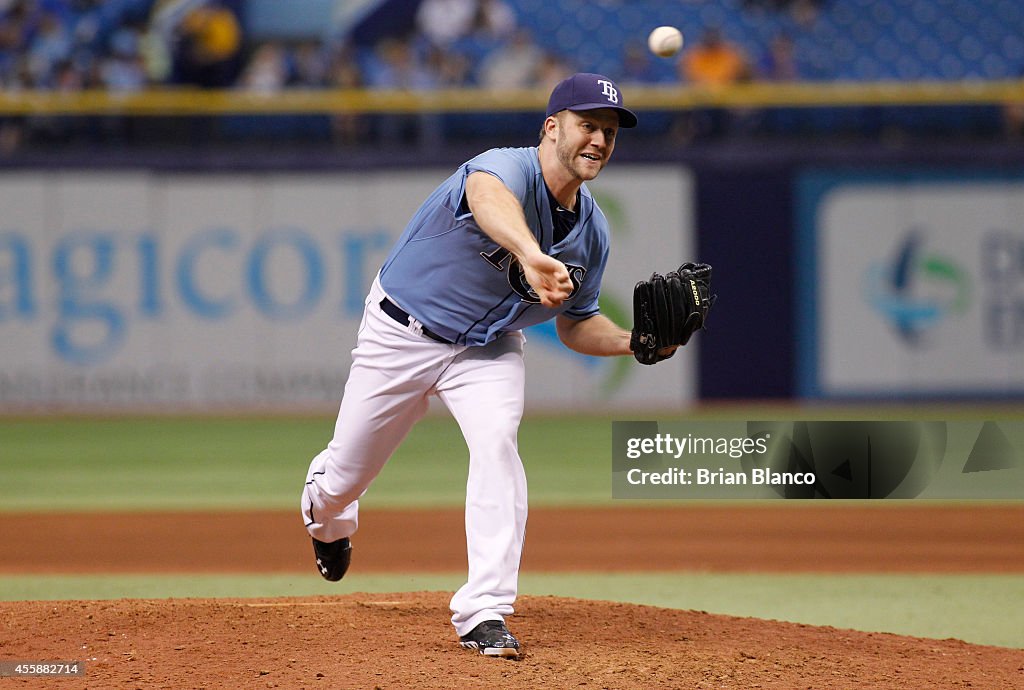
<point x="404" y="641"/>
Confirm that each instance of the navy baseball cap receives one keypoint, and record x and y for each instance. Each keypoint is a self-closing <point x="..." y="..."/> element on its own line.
<point x="586" y="91"/>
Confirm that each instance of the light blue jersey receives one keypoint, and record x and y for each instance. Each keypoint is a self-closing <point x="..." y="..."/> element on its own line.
<point x="449" y="275"/>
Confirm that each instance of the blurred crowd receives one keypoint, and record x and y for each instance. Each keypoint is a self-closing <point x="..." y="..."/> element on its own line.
<point x="125" y="45"/>
<point x="130" y="45"/>
<point x="69" y="45"/>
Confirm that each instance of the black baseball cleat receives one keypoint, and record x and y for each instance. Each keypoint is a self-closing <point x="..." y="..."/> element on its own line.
<point x="491" y="638"/>
<point x="332" y="558"/>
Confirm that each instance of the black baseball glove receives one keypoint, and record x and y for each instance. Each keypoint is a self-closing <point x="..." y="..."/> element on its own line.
<point x="667" y="309"/>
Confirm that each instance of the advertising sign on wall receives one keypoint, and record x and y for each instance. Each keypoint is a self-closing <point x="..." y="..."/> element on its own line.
<point x="911" y="285"/>
<point x="139" y="290"/>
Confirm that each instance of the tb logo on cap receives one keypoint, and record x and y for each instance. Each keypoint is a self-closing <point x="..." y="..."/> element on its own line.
<point x="609" y="91"/>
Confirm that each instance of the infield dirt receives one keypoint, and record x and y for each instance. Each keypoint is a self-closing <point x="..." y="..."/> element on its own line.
<point x="404" y="640"/>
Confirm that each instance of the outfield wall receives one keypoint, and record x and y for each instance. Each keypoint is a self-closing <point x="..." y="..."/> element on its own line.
<point x="134" y="289"/>
<point x="911" y="283"/>
<point x="235" y="281"/>
<point x="864" y="272"/>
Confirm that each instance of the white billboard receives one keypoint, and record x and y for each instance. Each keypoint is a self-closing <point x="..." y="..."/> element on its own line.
<point x="913" y="285"/>
<point x="146" y="290"/>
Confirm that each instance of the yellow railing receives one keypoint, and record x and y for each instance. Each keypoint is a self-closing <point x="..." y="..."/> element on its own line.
<point x="187" y="101"/>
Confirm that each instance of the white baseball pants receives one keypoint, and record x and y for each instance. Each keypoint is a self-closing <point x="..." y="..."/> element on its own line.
<point x="394" y="370"/>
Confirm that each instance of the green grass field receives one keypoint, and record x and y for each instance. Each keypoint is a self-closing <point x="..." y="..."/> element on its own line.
<point x="72" y="464"/>
<point x="195" y="463"/>
<point x="192" y="463"/>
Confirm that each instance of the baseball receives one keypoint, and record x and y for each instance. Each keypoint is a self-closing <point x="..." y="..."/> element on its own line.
<point x="665" y="41"/>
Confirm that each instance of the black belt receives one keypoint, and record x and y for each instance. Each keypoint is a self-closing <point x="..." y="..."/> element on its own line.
<point x="402" y="317"/>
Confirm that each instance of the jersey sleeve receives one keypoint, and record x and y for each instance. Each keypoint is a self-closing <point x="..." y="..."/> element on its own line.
<point x="511" y="166"/>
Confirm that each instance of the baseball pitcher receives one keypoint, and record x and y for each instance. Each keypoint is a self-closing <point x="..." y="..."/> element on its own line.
<point x="511" y="239"/>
